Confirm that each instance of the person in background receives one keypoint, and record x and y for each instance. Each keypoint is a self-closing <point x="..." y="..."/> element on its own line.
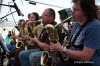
<point x="64" y="30"/>
<point x="9" y="41"/>
<point x="11" y="45"/>
<point x="28" y="16"/>
<point x="8" y="38"/>
<point x="98" y="12"/>
<point x="85" y="40"/>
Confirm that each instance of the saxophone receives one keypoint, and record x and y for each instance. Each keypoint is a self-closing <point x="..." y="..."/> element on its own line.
<point x="21" y="43"/>
<point x="46" y="59"/>
<point x="53" y="37"/>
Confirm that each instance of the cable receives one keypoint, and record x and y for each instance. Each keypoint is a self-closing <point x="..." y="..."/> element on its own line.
<point x="47" y="4"/>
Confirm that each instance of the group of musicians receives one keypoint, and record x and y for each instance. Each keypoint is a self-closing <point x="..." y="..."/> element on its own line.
<point x="83" y="48"/>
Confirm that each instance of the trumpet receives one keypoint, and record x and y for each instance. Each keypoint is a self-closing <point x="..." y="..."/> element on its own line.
<point x="53" y="37"/>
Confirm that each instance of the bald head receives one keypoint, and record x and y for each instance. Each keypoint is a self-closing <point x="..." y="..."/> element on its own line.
<point x="48" y="16"/>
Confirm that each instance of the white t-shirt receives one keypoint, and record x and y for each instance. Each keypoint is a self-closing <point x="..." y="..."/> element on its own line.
<point x="65" y="25"/>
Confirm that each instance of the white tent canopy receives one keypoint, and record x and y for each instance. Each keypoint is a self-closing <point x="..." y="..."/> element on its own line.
<point x="26" y="8"/>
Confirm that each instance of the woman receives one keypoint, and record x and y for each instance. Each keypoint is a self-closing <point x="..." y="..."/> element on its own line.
<point x="35" y="30"/>
<point x="8" y="38"/>
<point x="33" y="22"/>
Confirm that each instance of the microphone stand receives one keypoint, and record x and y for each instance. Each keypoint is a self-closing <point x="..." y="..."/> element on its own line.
<point x="8" y="6"/>
<point x="7" y="15"/>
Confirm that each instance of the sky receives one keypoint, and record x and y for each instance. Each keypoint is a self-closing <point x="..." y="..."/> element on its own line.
<point x="26" y="8"/>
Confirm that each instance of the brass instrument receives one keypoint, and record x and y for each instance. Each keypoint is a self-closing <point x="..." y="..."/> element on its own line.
<point x="19" y="44"/>
<point x="65" y="42"/>
<point x="13" y="34"/>
<point x="23" y="42"/>
<point x="53" y="37"/>
<point x="64" y="21"/>
<point x="46" y="58"/>
<point x="13" y="31"/>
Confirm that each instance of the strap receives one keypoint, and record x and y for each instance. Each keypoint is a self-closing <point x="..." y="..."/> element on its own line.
<point x="77" y="34"/>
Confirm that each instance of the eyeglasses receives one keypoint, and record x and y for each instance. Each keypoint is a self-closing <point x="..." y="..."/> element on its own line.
<point x="76" y="9"/>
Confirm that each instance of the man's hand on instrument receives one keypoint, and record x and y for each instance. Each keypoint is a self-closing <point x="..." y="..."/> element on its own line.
<point x="26" y="37"/>
<point x="34" y="39"/>
<point x="56" y="47"/>
<point x="15" y="37"/>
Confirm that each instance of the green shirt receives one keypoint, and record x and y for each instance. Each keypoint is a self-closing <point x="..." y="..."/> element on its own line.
<point x="8" y="39"/>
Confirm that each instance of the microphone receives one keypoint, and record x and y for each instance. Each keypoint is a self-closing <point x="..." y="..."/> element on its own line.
<point x="32" y="2"/>
<point x="18" y="10"/>
<point x="21" y="13"/>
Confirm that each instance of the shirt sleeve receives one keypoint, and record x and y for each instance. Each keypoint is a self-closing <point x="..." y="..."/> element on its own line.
<point x="92" y="39"/>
